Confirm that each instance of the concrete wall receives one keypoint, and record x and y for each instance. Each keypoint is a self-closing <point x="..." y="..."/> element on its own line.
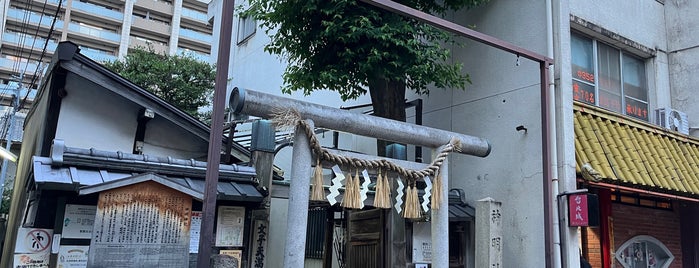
<point x="161" y="135"/>
<point x="95" y="107"/>
<point x="683" y="50"/>
<point x="277" y="232"/>
<point x="639" y="20"/>
<point x="503" y="96"/>
<point x="108" y="122"/>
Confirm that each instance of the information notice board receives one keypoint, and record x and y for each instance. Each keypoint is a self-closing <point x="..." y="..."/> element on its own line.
<point x="144" y="225"/>
<point x="230" y="225"/>
<point x="78" y="221"/>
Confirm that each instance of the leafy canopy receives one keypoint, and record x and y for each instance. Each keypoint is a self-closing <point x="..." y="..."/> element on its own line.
<point x="181" y="80"/>
<point x="342" y="45"/>
<point x="6" y="199"/>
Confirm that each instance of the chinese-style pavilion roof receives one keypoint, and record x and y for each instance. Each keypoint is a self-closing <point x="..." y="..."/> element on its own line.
<point x="612" y="148"/>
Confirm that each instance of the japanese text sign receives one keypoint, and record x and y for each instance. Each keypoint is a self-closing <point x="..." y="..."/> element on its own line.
<point x="578" y="210"/>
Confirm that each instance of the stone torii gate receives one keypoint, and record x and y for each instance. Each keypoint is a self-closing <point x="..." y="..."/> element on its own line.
<point x="264" y="105"/>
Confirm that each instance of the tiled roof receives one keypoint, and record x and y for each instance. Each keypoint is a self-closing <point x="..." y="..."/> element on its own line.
<point x="50" y="176"/>
<point x="618" y="150"/>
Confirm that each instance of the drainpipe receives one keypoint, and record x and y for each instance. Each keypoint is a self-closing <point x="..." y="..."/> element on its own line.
<point x="551" y="107"/>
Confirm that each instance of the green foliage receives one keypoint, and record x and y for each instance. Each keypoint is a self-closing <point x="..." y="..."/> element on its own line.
<point x="180" y="80"/>
<point x="343" y="45"/>
<point x="6" y="199"/>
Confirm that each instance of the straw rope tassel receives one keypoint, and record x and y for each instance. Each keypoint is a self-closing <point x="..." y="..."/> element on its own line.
<point x="318" y="191"/>
<point x="437" y="191"/>
<point x="378" y="196"/>
<point x="412" y="209"/>
<point x="291" y="117"/>
<point x="346" y="198"/>
<point x="383" y="192"/>
<point x="406" y="207"/>
<point x="386" y="192"/>
<point x="417" y="212"/>
<point x="356" y="195"/>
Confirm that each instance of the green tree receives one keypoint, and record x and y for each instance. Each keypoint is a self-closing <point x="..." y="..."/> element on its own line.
<point x="5" y="204"/>
<point x="348" y="46"/>
<point x="181" y="80"/>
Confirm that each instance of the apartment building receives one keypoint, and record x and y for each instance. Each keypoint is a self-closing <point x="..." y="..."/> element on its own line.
<point x="105" y="30"/>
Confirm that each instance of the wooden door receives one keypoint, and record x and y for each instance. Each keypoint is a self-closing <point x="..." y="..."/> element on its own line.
<point x="365" y="242"/>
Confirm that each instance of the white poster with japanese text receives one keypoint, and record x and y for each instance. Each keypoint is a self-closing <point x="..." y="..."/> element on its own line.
<point x="73" y="256"/>
<point x="230" y="225"/>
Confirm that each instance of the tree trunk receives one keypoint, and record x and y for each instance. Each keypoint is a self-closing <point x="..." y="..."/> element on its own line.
<point x="388" y="101"/>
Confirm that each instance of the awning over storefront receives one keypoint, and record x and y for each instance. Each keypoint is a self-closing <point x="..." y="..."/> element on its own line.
<point x="618" y="150"/>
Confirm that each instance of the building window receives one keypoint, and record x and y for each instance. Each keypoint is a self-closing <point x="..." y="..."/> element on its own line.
<point x="609" y="78"/>
<point x="246" y="28"/>
<point x="644" y="251"/>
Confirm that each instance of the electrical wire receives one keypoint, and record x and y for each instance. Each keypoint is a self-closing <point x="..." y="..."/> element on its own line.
<point x="21" y="35"/>
<point x="43" y="53"/>
<point x="24" y="28"/>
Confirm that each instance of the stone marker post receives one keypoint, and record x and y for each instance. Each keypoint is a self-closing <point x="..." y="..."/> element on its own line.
<point x="489" y="233"/>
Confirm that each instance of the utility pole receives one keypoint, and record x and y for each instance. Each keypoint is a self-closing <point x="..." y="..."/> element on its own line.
<point x="10" y="129"/>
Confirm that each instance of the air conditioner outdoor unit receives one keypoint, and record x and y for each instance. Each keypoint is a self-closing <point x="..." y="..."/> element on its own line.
<point x="672" y="119"/>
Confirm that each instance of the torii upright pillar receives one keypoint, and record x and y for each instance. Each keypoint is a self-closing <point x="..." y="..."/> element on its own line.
<point x="297" y="217"/>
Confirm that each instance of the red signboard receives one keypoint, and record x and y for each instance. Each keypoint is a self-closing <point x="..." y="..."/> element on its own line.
<point x="578" y="210"/>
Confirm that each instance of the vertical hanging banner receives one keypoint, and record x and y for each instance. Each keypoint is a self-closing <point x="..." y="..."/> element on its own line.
<point x="141" y="225"/>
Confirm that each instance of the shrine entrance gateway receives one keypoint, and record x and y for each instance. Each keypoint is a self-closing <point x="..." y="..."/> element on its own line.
<point x="266" y="105"/>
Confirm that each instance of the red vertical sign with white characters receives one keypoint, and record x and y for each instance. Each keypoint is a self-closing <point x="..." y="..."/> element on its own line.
<point x="577" y="210"/>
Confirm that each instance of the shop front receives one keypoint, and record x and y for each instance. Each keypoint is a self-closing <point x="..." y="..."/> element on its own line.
<point x="647" y="181"/>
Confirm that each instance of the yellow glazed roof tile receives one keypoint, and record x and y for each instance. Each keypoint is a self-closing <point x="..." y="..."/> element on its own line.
<point x="634" y="153"/>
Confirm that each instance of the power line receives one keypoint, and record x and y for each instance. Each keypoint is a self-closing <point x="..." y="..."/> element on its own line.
<point x="21" y="35"/>
<point x="43" y="53"/>
<point x="22" y="38"/>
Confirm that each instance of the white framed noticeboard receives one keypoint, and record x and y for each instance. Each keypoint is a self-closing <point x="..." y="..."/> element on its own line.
<point x="79" y="221"/>
<point x="230" y="225"/>
<point x="422" y="242"/>
<point x="73" y="256"/>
